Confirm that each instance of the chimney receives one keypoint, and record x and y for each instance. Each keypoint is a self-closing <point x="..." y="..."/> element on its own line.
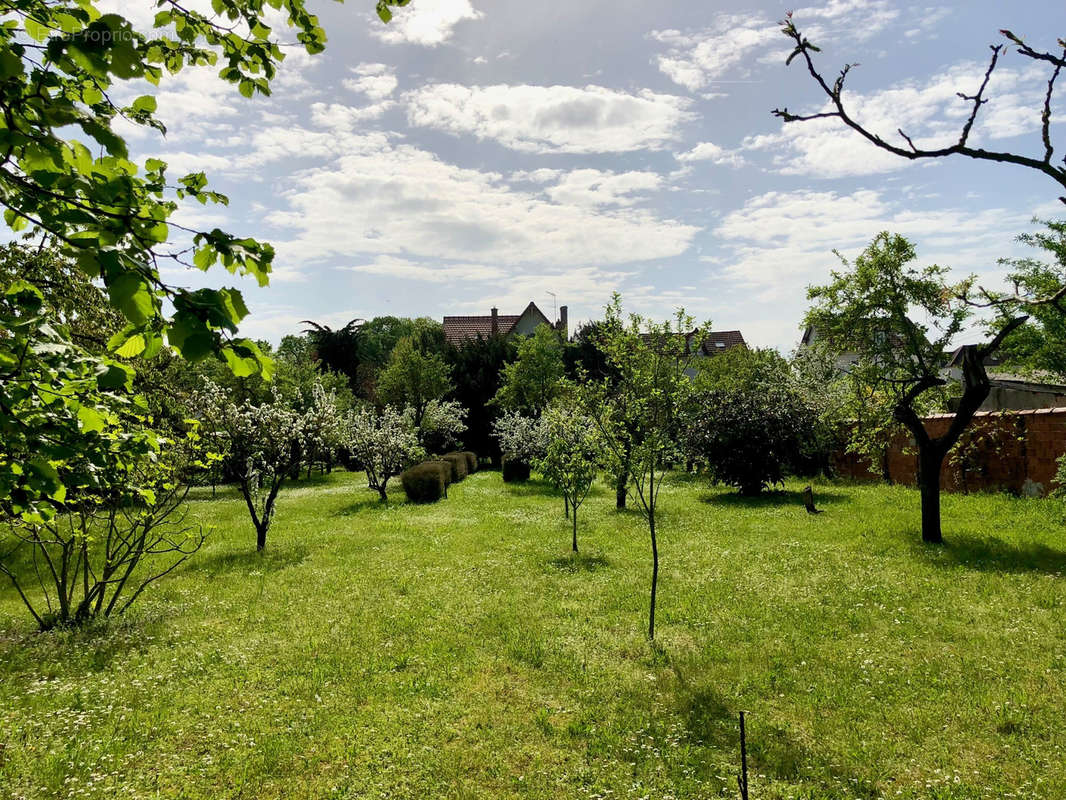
<point x="495" y="321"/>
<point x="562" y="324"/>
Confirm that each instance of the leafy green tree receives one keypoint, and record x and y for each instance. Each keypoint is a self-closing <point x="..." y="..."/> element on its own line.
<point x="899" y="321"/>
<point x="86" y="486"/>
<point x="476" y="369"/>
<point x="748" y="422"/>
<point x="638" y="413"/>
<point x="571" y="456"/>
<point x="338" y="350"/>
<point x="379" y="336"/>
<point x="531" y="381"/>
<point x="61" y="61"/>
<point x="414" y="378"/>
<point x="1039" y="346"/>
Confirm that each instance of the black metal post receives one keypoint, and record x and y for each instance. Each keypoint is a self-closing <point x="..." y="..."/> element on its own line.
<point x="742" y="778"/>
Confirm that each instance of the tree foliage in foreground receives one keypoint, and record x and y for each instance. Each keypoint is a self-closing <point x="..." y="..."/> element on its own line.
<point x="87" y="488"/>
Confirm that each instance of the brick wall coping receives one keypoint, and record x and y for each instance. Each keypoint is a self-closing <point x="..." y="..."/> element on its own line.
<point x="1026" y="412"/>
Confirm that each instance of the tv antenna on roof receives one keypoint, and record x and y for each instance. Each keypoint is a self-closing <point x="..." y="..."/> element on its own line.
<point x="555" y="310"/>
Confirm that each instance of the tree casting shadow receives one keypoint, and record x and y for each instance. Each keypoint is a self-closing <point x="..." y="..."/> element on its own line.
<point x="713" y="722"/>
<point x="579" y="562"/>
<point x="273" y="559"/>
<point x="994" y="555"/>
<point x="775" y="499"/>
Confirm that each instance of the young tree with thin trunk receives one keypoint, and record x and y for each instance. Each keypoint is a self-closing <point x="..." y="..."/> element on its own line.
<point x="384" y="444"/>
<point x="900" y="322"/>
<point x="572" y="452"/>
<point x="264" y="445"/>
<point x="642" y="408"/>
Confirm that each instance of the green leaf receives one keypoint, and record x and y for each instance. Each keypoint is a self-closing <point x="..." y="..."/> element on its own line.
<point x="133" y="346"/>
<point x="131" y="295"/>
<point x="90" y="419"/>
<point x="36" y="30"/>
<point x="145" y="103"/>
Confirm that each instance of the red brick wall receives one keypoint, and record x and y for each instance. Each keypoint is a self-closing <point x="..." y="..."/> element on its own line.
<point x="1014" y="451"/>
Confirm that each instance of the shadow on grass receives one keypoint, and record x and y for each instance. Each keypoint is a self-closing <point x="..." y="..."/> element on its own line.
<point x="994" y="555"/>
<point x="230" y="491"/>
<point x="273" y="559"/>
<point x="713" y="722"/>
<point x="579" y="562"/>
<point x="371" y="501"/>
<point x="775" y="499"/>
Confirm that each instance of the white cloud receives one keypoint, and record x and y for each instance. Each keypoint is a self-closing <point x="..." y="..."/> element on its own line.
<point x="779" y="243"/>
<point x="930" y="112"/>
<point x="734" y="43"/>
<point x="551" y="119"/>
<point x="708" y="151"/>
<point x="376" y="81"/>
<point x="341" y="117"/>
<point x="592" y="188"/>
<point x="425" y="22"/>
<point x="393" y="267"/>
<point x="384" y="199"/>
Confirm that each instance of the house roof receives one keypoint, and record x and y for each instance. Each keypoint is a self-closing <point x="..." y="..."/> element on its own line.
<point x="720" y="341"/>
<point x="459" y="329"/>
<point x="715" y="342"/>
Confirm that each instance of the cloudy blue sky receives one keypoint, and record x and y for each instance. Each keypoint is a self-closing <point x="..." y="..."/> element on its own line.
<point x="488" y="152"/>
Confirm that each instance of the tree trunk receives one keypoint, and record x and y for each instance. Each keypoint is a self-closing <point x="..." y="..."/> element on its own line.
<point x="930" y="463"/>
<point x="654" y="572"/>
<point x="620" y="492"/>
<point x="566" y="506"/>
<point x="260" y="537"/>
<point x="575" y="529"/>
<point x="384" y="497"/>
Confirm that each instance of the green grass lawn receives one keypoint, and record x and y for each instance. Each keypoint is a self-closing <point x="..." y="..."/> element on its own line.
<point x="458" y="650"/>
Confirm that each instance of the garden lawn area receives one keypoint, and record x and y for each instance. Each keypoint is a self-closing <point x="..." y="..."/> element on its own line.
<point x="458" y="650"/>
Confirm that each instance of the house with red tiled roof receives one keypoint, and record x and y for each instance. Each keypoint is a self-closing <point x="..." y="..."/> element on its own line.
<point x="460" y="329"/>
<point x="719" y="342"/>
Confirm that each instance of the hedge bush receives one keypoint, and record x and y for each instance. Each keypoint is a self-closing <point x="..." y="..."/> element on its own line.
<point x="515" y="471"/>
<point x="458" y="462"/>
<point x="471" y="461"/>
<point x="425" y="483"/>
<point x="446" y="469"/>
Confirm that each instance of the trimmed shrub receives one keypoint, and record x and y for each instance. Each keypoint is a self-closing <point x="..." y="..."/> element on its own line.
<point x="515" y="471"/>
<point x="471" y="461"/>
<point x="458" y="462"/>
<point x="446" y="469"/>
<point x="424" y="483"/>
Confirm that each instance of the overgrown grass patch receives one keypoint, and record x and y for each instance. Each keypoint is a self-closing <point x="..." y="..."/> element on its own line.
<point x="460" y="650"/>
